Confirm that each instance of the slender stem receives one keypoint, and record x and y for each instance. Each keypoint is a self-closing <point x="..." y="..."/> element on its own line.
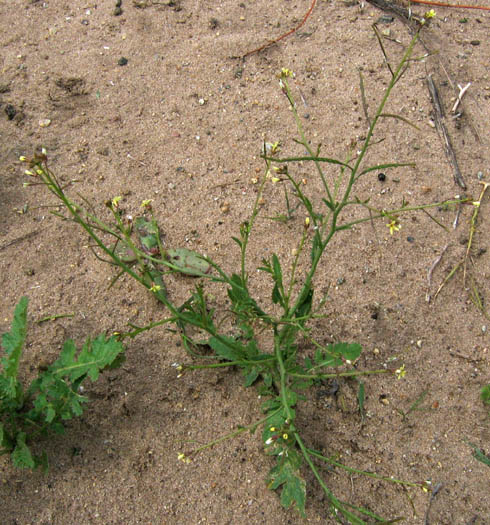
<point x="293" y="269"/>
<point x="389" y="213"/>
<point x="56" y="189"/>
<point x="350" y="373"/>
<point x="236" y="432"/>
<point x="304" y="141"/>
<point x="336" y="504"/>
<point x="230" y="363"/>
<point x="363" y="472"/>
<point x="248" y="227"/>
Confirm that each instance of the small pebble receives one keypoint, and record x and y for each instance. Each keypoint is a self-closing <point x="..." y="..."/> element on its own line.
<point x="479" y="175"/>
<point x="44" y="122"/>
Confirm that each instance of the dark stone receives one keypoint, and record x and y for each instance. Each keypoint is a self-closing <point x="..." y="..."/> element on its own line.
<point x="10" y="111"/>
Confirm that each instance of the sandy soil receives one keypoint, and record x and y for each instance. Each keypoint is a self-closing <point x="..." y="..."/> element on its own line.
<point x="181" y="122"/>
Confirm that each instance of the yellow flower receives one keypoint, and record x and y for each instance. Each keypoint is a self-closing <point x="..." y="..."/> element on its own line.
<point x="115" y="201"/>
<point x="394" y="226"/>
<point x="182" y="457"/>
<point x="285" y="72"/>
<point x="272" y="147"/>
<point x="400" y="372"/>
<point x="145" y="203"/>
<point x="285" y="436"/>
<point x="155" y="288"/>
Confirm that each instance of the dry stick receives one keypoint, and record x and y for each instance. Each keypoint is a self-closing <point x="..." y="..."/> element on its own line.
<point x="462" y="91"/>
<point x="20" y="239"/>
<point x="441" y="128"/>
<point x="276" y="40"/>
<point x="458" y="213"/>
<point x="399" y="11"/>
<point x="431" y="269"/>
<point x="474" y="218"/>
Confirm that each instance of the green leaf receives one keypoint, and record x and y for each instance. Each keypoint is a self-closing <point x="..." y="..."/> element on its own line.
<point x="21" y="456"/>
<point x="227" y="347"/>
<point x="399" y="117"/>
<point x="480" y="455"/>
<point x="251" y="376"/>
<point x="387" y="165"/>
<point x="13" y="341"/>
<point x="316" y="245"/>
<point x="94" y="357"/>
<point x="270" y="405"/>
<point x="188" y="262"/>
<point x="293" y="485"/>
<point x="291" y="397"/>
<point x="148" y="234"/>
<point x="154" y="277"/>
<point x="485" y="394"/>
<point x="326" y="358"/>
<point x="361" y="396"/>
<point x="238" y="241"/>
<point x="304" y="307"/>
<point x="349" y="351"/>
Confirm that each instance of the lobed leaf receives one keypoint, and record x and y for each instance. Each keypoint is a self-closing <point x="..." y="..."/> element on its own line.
<point x="227" y="347"/>
<point x="293" y="485"/>
<point x="21" y="455"/>
<point x="13" y="341"/>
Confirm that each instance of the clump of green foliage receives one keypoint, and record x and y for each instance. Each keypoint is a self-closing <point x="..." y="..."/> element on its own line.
<point x="53" y="397"/>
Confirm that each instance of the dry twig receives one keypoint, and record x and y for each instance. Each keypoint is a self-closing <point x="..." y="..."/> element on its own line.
<point x="276" y="40"/>
<point x="441" y="128"/>
<point x="431" y="269"/>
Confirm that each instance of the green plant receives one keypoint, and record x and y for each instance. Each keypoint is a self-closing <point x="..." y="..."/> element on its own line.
<point x="485" y="394"/>
<point x="53" y="397"/>
<point x="276" y="366"/>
